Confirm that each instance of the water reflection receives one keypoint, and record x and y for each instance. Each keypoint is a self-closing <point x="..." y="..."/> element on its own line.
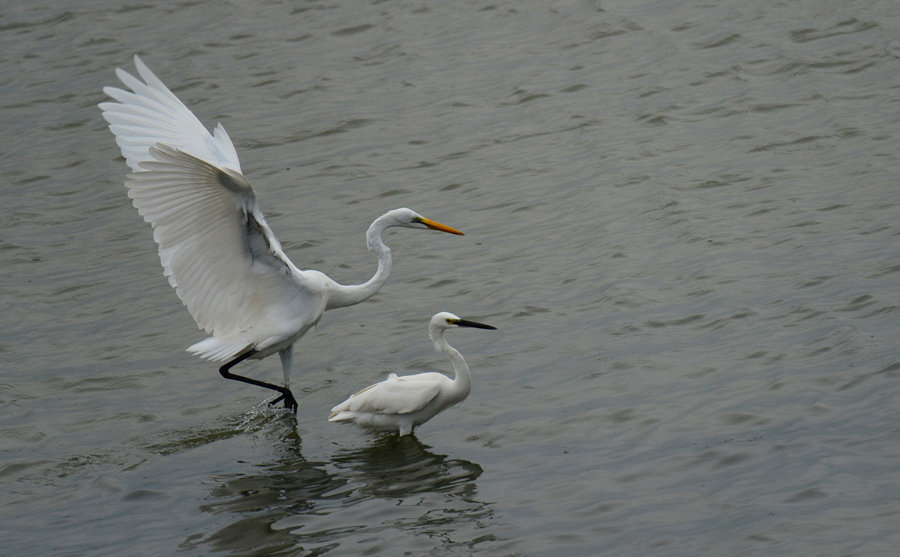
<point x="292" y="504"/>
<point x="400" y="466"/>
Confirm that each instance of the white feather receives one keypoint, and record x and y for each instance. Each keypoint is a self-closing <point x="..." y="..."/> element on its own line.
<point x="218" y="252"/>
<point x="152" y="114"/>
<point x="394" y="395"/>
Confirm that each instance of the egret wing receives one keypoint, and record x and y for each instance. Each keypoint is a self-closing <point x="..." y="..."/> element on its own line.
<point x="150" y="114"/>
<point x="395" y="395"/>
<point x="216" y="248"/>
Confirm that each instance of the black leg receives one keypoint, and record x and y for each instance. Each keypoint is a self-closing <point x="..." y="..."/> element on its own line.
<point x="286" y="395"/>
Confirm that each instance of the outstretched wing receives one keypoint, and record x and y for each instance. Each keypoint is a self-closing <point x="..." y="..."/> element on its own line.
<point x="395" y="395"/>
<point x="216" y="248"/>
<point x="152" y="114"/>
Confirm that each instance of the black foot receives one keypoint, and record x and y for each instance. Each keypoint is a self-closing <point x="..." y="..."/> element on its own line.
<point x="289" y="401"/>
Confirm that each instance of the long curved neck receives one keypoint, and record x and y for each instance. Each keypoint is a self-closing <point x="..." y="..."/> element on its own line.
<point x="462" y="379"/>
<point x="343" y="295"/>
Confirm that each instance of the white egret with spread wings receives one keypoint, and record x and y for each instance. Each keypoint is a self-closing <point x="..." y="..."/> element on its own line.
<point x="216" y="249"/>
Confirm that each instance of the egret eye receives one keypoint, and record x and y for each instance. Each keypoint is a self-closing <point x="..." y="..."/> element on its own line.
<point x="449" y="321"/>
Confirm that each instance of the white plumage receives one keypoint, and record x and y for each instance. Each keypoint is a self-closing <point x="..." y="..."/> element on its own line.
<point x="215" y="246"/>
<point x="152" y="114"/>
<point x="400" y="403"/>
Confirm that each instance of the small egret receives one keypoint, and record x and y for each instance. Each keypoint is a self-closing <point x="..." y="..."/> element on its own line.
<point x="216" y="249"/>
<point x="402" y="403"/>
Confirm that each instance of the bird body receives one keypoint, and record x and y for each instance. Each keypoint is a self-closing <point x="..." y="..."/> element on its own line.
<point x="400" y="403"/>
<point x="215" y="246"/>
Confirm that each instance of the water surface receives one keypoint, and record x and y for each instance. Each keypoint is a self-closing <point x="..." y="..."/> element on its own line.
<point x="682" y="217"/>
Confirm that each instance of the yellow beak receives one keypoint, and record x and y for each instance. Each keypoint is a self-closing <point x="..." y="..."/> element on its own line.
<point x="438" y="226"/>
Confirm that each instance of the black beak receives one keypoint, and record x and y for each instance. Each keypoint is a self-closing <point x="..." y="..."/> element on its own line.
<point x="473" y="324"/>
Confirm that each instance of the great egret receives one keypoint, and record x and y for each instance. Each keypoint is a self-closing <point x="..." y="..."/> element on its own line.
<point x="216" y="249"/>
<point x="402" y="403"/>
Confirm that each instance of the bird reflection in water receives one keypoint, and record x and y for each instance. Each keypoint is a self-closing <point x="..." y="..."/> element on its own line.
<point x="293" y="503"/>
<point x="398" y="466"/>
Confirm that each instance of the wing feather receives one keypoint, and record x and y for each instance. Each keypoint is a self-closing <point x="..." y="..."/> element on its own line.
<point x="395" y="395"/>
<point x="216" y="248"/>
<point x="150" y="114"/>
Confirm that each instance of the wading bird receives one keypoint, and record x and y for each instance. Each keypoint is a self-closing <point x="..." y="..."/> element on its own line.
<point x="216" y="249"/>
<point x="402" y="403"/>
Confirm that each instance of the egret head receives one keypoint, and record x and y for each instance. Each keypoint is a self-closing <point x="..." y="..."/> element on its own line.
<point x="446" y="320"/>
<point x="407" y="218"/>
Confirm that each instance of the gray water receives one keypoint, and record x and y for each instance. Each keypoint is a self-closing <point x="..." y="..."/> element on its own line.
<point x="682" y="217"/>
